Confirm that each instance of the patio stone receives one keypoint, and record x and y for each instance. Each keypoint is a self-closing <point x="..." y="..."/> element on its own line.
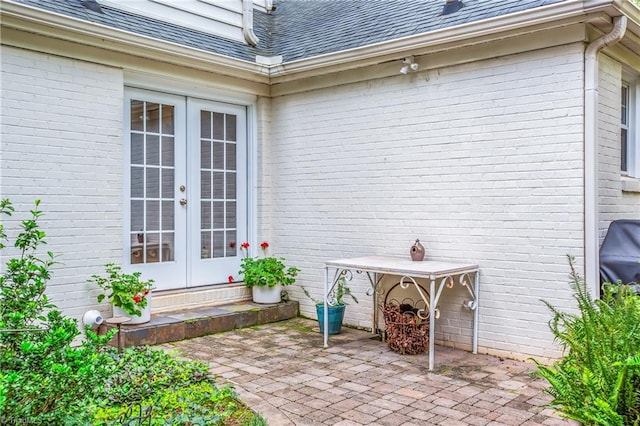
<point x="298" y="382"/>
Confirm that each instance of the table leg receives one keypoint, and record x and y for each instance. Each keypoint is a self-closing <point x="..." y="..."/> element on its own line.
<point x="432" y="322"/>
<point x="326" y="307"/>
<point x="476" y="316"/>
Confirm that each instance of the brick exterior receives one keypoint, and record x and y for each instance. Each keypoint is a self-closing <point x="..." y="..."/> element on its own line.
<point x="614" y="203"/>
<point x="482" y="162"/>
<point x="61" y="143"/>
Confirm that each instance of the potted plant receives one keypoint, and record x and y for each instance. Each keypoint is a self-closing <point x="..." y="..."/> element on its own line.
<point x="266" y="276"/>
<point x="335" y="303"/>
<point x="127" y="293"/>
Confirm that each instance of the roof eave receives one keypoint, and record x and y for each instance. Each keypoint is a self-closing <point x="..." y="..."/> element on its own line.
<point x="31" y="19"/>
<point x="564" y="13"/>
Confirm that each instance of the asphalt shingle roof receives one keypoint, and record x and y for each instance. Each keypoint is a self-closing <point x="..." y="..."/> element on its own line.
<point x="300" y="29"/>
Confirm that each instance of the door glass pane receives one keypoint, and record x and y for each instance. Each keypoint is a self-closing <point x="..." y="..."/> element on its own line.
<point x="137" y="148"/>
<point x="167" y="151"/>
<point x="153" y="183"/>
<point x="152" y="118"/>
<point x="152" y="187"/>
<point x="153" y="150"/>
<point x="231" y="127"/>
<point x="231" y="156"/>
<point x="231" y="185"/>
<point x="218" y="215"/>
<point x="218" y="155"/>
<point x="166" y="254"/>
<point x="218" y="185"/>
<point x="205" y="245"/>
<point x="167" y="183"/>
<point x="137" y="116"/>
<point x="232" y="249"/>
<point x="231" y="215"/>
<point x="218" y="243"/>
<point x="152" y="248"/>
<point x="137" y="182"/>
<point x="205" y="214"/>
<point x="167" y="120"/>
<point x="218" y="126"/>
<point x="205" y="154"/>
<point x="205" y="185"/>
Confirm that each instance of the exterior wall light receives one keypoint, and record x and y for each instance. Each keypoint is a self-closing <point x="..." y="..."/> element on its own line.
<point x="409" y="65"/>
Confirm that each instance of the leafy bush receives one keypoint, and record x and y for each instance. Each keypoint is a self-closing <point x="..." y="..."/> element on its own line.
<point x="126" y="291"/>
<point x="597" y="382"/>
<point x="44" y="380"/>
<point x="267" y="271"/>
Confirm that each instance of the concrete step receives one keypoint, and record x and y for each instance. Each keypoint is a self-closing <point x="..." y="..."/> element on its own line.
<point x="188" y="323"/>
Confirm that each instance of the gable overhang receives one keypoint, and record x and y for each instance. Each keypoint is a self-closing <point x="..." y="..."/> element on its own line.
<point x="558" y="15"/>
<point x="18" y="19"/>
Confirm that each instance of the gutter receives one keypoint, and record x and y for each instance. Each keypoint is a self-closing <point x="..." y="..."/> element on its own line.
<point x="591" y="238"/>
<point x="247" y="23"/>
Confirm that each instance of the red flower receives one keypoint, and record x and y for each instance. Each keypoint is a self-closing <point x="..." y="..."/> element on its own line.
<point x="230" y="279"/>
<point x="136" y="298"/>
<point x="232" y="244"/>
<point x="264" y="245"/>
<point x="146" y="292"/>
<point x="244" y="245"/>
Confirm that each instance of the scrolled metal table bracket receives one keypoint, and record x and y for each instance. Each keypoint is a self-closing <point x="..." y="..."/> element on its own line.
<point x="422" y="313"/>
<point x="465" y="281"/>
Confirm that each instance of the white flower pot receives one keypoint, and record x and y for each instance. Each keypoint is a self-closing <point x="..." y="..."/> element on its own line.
<point x="267" y="294"/>
<point x="145" y="317"/>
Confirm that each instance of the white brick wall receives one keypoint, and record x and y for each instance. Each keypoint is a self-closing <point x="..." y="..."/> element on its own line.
<point x="614" y="203"/>
<point x="482" y="162"/>
<point x="61" y="143"/>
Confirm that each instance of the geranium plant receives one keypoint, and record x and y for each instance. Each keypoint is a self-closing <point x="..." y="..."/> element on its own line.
<point x="266" y="271"/>
<point x="126" y="291"/>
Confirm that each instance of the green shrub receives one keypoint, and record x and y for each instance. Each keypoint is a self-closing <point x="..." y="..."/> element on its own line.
<point x="597" y="382"/>
<point x="44" y="380"/>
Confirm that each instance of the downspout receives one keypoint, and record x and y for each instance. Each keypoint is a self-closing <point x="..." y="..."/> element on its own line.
<point x="591" y="237"/>
<point x="247" y="23"/>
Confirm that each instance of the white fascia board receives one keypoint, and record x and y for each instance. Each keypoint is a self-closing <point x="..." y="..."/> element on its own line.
<point x="570" y="11"/>
<point x="68" y="28"/>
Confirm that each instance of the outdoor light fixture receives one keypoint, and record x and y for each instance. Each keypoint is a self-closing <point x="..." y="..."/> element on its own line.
<point x="408" y="65"/>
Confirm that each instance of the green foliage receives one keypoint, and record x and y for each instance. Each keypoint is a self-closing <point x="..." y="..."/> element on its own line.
<point x="266" y="271"/>
<point x="337" y="294"/>
<point x="44" y="380"/>
<point x="168" y="391"/>
<point x="597" y="382"/>
<point x="125" y="291"/>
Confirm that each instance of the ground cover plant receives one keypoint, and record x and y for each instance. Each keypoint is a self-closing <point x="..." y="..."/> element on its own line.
<point x="597" y="382"/>
<point x="47" y="380"/>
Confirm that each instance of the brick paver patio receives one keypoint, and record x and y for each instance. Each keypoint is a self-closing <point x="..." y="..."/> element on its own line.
<point x="282" y="371"/>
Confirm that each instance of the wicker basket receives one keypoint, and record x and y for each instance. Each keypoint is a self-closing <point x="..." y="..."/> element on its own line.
<point x="406" y="333"/>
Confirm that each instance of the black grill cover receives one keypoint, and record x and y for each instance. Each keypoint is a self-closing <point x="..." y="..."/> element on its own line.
<point x="620" y="252"/>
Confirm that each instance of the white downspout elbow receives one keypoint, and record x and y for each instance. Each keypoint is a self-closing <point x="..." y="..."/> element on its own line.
<point x="591" y="237"/>
<point x="247" y="23"/>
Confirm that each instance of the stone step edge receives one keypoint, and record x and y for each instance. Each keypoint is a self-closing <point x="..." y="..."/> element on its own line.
<point x="185" y="324"/>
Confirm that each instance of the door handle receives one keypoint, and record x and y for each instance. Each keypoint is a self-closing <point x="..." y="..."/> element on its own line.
<point x="183" y="201"/>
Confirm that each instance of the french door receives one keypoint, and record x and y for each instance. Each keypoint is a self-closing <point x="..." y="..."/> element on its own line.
<point x="186" y="197"/>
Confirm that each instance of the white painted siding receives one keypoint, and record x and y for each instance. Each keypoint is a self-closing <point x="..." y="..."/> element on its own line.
<point x="61" y="143"/>
<point x="614" y="203"/>
<point x="482" y="162"/>
<point x="219" y="17"/>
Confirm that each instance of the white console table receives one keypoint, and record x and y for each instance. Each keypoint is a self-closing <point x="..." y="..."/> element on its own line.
<point x="440" y="275"/>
